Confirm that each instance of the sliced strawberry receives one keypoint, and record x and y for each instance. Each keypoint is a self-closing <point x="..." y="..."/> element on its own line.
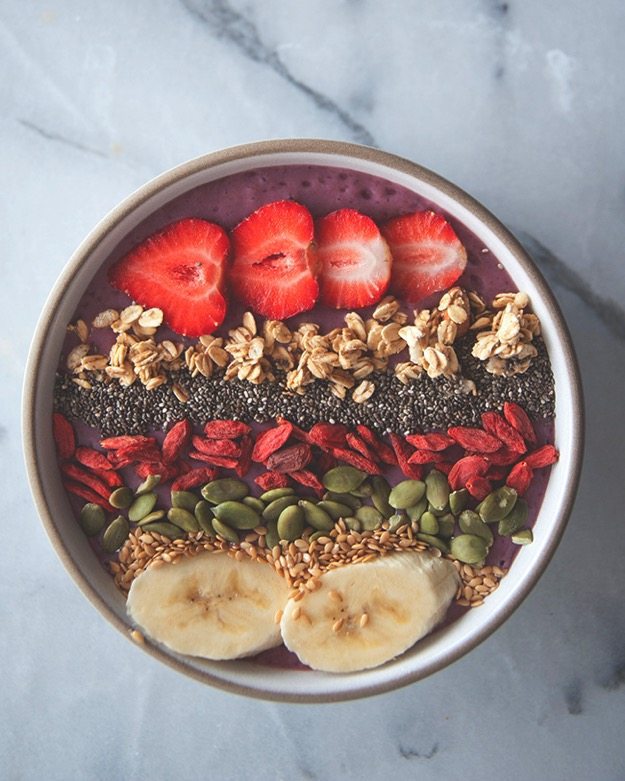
<point x="275" y="262"/>
<point x="427" y="254"/>
<point x="354" y="260"/>
<point x="180" y="270"/>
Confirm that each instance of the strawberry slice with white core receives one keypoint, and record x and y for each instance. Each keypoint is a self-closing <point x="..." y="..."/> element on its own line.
<point x="275" y="262"/>
<point x="180" y="270"/>
<point x="354" y="259"/>
<point x="427" y="254"/>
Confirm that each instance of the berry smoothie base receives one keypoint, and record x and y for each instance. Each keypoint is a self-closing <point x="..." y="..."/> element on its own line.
<point x="322" y="190"/>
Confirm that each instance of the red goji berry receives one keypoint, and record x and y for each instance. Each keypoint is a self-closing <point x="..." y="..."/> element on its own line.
<point x="226" y="463"/>
<point x="385" y="453"/>
<point x="226" y="429"/>
<point x="126" y="441"/>
<point x="78" y="489"/>
<point x="544" y="456"/>
<point x="432" y="441"/>
<point x="193" y="478"/>
<point x="494" y="424"/>
<point x="518" y="418"/>
<point x="176" y="439"/>
<point x="108" y="476"/>
<point x="268" y="480"/>
<point x="503" y="457"/>
<point x="64" y="437"/>
<point x="81" y="475"/>
<point x="217" y="447"/>
<point x="92" y="459"/>
<point x="474" y="440"/>
<point x="466" y="468"/>
<point x="443" y="466"/>
<point x="324" y="461"/>
<point x="309" y="479"/>
<point x="328" y="435"/>
<point x="478" y="487"/>
<point x="356" y="460"/>
<point x="297" y="432"/>
<point x="520" y="477"/>
<point x="128" y="455"/>
<point x="267" y="442"/>
<point x="290" y="459"/>
<point x="245" y="457"/>
<point x="424" y="457"/>
<point x="403" y="451"/>
<point x="166" y="471"/>
<point x="360" y="446"/>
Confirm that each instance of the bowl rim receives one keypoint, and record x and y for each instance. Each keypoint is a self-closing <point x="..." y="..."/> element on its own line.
<point x="330" y="148"/>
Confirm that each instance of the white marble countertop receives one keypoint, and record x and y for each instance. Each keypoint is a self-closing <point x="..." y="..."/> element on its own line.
<point x="520" y="103"/>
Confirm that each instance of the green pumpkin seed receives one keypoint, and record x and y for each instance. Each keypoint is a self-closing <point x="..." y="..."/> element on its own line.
<point x="522" y="537"/>
<point x="272" y="538"/>
<point x="396" y="521"/>
<point x="156" y="515"/>
<point x="434" y="542"/>
<point x="276" y="493"/>
<point x="150" y="482"/>
<point x="315" y="535"/>
<point x="185" y="499"/>
<point x="428" y="523"/>
<point x="274" y="508"/>
<point x="224" y="490"/>
<point x="204" y="515"/>
<point x="416" y="511"/>
<point x="353" y="524"/>
<point x="254" y="503"/>
<point x="316" y="516"/>
<point x="165" y="529"/>
<point x="471" y="523"/>
<point x="458" y="500"/>
<point x="469" y="548"/>
<point x="184" y="519"/>
<point x="498" y="504"/>
<point x="369" y="517"/>
<point x="343" y="479"/>
<point x="291" y="523"/>
<point x="115" y="534"/>
<point x="224" y="530"/>
<point x="406" y="494"/>
<point x="515" y="519"/>
<point x="435" y="511"/>
<point x="446" y="525"/>
<point x="335" y="510"/>
<point x="141" y="506"/>
<point x="364" y="490"/>
<point x="92" y="519"/>
<point x="437" y="489"/>
<point x="351" y="501"/>
<point x="379" y="495"/>
<point x="237" y="515"/>
<point x="121" y="498"/>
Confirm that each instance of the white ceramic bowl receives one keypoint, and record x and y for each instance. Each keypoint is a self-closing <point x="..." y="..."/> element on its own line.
<point x="443" y="646"/>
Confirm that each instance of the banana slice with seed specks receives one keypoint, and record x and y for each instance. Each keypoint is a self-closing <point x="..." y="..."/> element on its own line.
<point x="210" y="605"/>
<point x="365" y="614"/>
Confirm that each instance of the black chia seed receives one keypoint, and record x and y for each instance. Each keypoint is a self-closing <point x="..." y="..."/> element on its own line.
<point x="423" y="405"/>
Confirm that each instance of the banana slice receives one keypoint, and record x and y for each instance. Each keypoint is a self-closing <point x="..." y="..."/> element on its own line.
<point x="365" y="614"/>
<point x="210" y="605"/>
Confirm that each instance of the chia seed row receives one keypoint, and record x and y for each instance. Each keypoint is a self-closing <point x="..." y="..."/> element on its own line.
<point x="423" y="405"/>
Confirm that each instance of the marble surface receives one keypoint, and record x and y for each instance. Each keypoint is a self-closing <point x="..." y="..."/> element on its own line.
<point x="520" y="103"/>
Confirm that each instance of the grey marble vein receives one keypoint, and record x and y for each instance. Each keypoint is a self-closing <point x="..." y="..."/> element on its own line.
<point x="50" y="135"/>
<point x="228" y="24"/>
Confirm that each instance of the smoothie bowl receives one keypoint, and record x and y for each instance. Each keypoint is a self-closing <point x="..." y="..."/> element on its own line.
<point x="303" y="420"/>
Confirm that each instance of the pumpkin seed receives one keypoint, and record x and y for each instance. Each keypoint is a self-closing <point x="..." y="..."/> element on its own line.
<point x="185" y="499"/>
<point x="276" y="493"/>
<point x="254" y="503"/>
<point x="437" y="489"/>
<point x="272" y="538"/>
<point x="458" y="500"/>
<point x="446" y="526"/>
<point x="164" y="528"/>
<point x="406" y="494"/>
<point x="150" y="482"/>
<point x="369" y="517"/>
<point x="183" y="519"/>
<point x="224" y="530"/>
<point x="204" y="514"/>
<point x="417" y="510"/>
<point x="471" y="523"/>
<point x="224" y="490"/>
<point x="315" y="535"/>
<point x="155" y="515"/>
<point x="343" y="479"/>
<point x="522" y="537"/>
<point x="379" y="495"/>
<point x="92" y="519"/>
<point x="396" y="520"/>
<point x="141" y="506"/>
<point x="498" y="504"/>
<point x="291" y="523"/>
<point x="435" y="511"/>
<point x="364" y="490"/>
<point x="115" y="534"/>
<point x="237" y="515"/>
<point x="468" y="548"/>
<point x="428" y="523"/>
<point x="273" y="509"/>
<point x="316" y="516"/>
<point x="515" y="519"/>
<point x="335" y="510"/>
<point x="351" y="501"/>
<point x="121" y="498"/>
<point x="435" y="542"/>
<point x="353" y="524"/>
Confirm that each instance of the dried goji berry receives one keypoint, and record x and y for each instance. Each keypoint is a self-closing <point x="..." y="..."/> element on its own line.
<point x="494" y="424"/>
<point x="466" y="468"/>
<point x="403" y="451"/>
<point x="176" y="439"/>
<point x="309" y="479"/>
<point x="193" y="478"/>
<point x="217" y="447"/>
<point x="64" y="437"/>
<point x="328" y="435"/>
<point x="356" y="460"/>
<point x="91" y="458"/>
<point x="166" y="471"/>
<point x="503" y="457"/>
<point x="267" y="442"/>
<point x="81" y="475"/>
<point x="385" y="453"/>
<point x="245" y="457"/>
<point x="424" y="457"/>
<point x="518" y="418"/>
<point x="443" y="466"/>
<point x="474" y="440"/>
<point x="478" y="487"/>
<point x="290" y="459"/>
<point x="226" y="429"/>
<point x="544" y="456"/>
<point x="226" y="463"/>
<point x="296" y="432"/>
<point x="78" y="489"/>
<point x="268" y="480"/>
<point x="108" y="476"/>
<point x="324" y="461"/>
<point x="360" y="446"/>
<point x="520" y="477"/>
<point x="126" y="440"/>
<point x="432" y="441"/>
<point x="128" y="455"/>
